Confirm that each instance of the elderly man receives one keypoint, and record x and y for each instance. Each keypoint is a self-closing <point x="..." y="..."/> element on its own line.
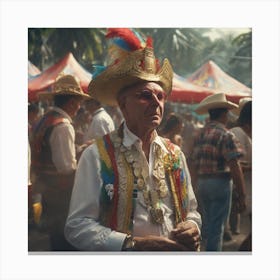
<point x="54" y="156"/>
<point x="132" y="188"/>
<point x="214" y="166"/>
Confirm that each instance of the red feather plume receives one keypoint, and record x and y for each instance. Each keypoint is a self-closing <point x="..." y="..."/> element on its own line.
<point x="127" y="35"/>
<point x="149" y="42"/>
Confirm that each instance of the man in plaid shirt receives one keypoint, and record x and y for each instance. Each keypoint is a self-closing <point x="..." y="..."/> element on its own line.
<point x="214" y="168"/>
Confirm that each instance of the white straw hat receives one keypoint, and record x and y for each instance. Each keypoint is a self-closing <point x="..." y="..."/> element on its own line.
<point x="214" y="101"/>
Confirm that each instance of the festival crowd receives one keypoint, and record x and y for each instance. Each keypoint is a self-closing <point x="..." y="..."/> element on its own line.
<point x="115" y="169"/>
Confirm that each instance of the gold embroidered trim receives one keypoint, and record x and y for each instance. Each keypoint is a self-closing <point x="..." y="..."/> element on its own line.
<point x="175" y="198"/>
<point x="129" y="191"/>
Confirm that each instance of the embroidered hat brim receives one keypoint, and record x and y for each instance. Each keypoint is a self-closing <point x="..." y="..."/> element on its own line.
<point x="106" y="86"/>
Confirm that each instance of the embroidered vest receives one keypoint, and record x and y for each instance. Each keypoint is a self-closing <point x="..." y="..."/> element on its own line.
<point x="116" y="198"/>
<point x="41" y="150"/>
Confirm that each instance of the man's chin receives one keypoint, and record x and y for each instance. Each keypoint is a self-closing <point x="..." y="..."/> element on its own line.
<point x="156" y="122"/>
<point x="153" y="121"/>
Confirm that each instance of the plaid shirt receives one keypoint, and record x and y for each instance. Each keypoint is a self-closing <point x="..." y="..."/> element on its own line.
<point x="214" y="146"/>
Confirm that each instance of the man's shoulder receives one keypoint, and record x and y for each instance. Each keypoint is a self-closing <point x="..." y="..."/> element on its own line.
<point x="236" y="130"/>
<point x="216" y="129"/>
<point x="54" y="117"/>
<point x="101" y="115"/>
<point x="49" y="120"/>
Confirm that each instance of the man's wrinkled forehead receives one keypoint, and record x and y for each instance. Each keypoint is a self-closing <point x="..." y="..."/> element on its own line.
<point x="140" y="86"/>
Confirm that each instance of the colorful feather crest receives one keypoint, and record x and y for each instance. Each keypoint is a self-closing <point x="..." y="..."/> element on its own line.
<point x="123" y="41"/>
<point x="126" y="38"/>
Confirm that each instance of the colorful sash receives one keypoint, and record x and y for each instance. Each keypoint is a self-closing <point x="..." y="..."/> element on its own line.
<point x="116" y="198"/>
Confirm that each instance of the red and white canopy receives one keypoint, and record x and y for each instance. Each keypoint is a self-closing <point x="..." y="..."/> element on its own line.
<point x="67" y="65"/>
<point x="210" y="75"/>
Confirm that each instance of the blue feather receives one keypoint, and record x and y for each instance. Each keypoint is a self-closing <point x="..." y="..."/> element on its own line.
<point x="121" y="43"/>
<point x="98" y="69"/>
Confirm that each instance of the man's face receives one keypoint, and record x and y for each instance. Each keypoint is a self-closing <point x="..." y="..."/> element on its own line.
<point x="142" y="105"/>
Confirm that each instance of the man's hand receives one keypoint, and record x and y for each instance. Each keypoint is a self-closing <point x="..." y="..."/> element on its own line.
<point x="157" y="243"/>
<point x="187" y="234"/>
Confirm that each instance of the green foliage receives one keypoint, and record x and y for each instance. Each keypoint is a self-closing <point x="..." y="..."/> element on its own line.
<point x="46" y="46"/>
<point x="241" y="63"/>
<point x="186" y="48"/>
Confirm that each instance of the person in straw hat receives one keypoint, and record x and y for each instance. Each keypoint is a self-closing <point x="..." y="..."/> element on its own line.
<point x="132" y="188"/>
<point x="54" y="156"/>
<point x="214" y="165"/>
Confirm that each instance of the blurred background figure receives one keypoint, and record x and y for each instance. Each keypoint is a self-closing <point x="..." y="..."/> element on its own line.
<point x="188" y="133"/>
<point x="101" y="122"/>
<point x="54" y="157"/>
<point x="29" y="186"/>
<point x="115" y="114"/>
<point x="214" y="168"/>
<point x="33" y="115"/>
<point x="81" y="123"/>
<point x="243" y="132"/>
<point x="172" y="129"/>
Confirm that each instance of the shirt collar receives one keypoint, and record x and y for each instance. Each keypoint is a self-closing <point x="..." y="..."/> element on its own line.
<point x="62" y="112"/>
<point x="98" y="110"/>
<point x="129" y="138"/>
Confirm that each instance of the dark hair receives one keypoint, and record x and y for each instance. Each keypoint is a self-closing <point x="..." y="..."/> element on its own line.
<point x="61" y="100"/>
<point x="245" y="116"/>
<point x="171" y="122"/>
<point x="214" y="114"/>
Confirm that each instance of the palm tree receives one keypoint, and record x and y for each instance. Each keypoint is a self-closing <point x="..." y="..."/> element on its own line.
<point x="244" y="43"/>
<point x="183" y="46"/>
<point x="51" y="44"/>
<point x="186" y="48"/>
<point x="38" y="50"/>
<point x="242" y="60"/>
<point x="86" y="44"/>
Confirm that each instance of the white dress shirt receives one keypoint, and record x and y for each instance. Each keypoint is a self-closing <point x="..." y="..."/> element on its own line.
<point x="101" y="124"/>
<point x="82" y="227"/>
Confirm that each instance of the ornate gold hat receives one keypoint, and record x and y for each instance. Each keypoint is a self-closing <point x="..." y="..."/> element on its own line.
<point x="65" y="85"/>
<point x="129" y="68"/>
